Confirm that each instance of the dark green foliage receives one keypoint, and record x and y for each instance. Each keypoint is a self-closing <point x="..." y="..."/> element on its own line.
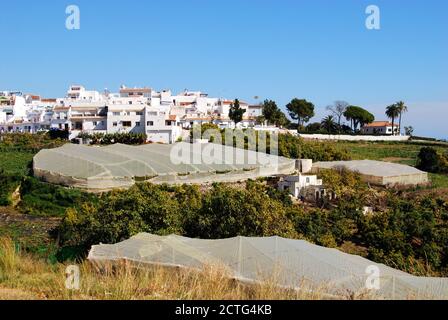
<point x="273" y="114"/>
<point x="43" y="199"/>
<point x="314" y="127"/>
<point x="205" y="130"/>
<point x="393" y="112"/>
<point x="409" y="233"/>
<point x="59" y="134"/>
<point x="220" y="212"/>
<point x="112" y="138"/>
<point x="236" y="112"/>
<point x="417" y="230"/>
<point x="27" y="142"/>
<point x="358" y="116"/>
<point x="8" y="184"/>
<point x="229" y="212"/>
<point x="296" y="148"/>
<point x="16" y="154"/>
<point x="300" y="110"/>
<point x="329" y="125"/>
<point x="431" y="160"/>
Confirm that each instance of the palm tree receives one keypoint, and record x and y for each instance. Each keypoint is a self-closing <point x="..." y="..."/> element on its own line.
<point x="329" y="124"/>
<point x="392" y="112"/>
<point x="402" y="108"/>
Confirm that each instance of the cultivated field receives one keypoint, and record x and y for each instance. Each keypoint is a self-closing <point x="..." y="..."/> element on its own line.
<point x="29" y="267"/>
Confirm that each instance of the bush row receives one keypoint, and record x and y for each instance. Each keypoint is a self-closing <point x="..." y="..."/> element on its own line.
<point x="411" y="234"/>
<point x="112" y="138"/>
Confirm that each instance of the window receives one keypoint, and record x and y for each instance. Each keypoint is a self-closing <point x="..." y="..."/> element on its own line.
<point x="307" y="180"/>
<point x="139" y="113"/>
<point x="126" y="124"/>
<point x="95" y="123"/>
<point x="115" y="124"/>
<point x="150" y="123"/>
<point x="137" y="124"/>
<point x="116" y="113"/>
<point x="130" y="102"/>
<point x="168" y="123"/>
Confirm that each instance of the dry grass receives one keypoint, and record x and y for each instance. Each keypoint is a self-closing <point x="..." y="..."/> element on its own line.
<point x="24" y="277"/>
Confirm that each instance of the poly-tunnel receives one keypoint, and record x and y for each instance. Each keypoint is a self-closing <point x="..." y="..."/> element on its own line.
<point x="291" y="263"/>
<point x="120" y="166"/>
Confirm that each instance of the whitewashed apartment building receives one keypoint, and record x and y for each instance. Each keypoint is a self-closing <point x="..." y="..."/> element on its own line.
<point x="25" y="112"/>
<point x="161" y="115"/>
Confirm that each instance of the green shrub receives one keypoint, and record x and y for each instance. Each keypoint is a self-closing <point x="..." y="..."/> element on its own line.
<point x="112" y="138"/>
<point x="432" y="160"/>
<point x="27" y="142"/>
<point x="43" y="199"/>
<point x="8" y="184"/>
<point x="220" y="212"/>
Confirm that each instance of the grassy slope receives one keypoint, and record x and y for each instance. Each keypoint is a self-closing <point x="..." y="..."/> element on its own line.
<point x="16" y="162"/>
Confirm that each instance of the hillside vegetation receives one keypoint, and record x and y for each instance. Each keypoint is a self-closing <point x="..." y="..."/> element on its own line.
<point x="51" y="225"/>
<point x="24" y="277"/>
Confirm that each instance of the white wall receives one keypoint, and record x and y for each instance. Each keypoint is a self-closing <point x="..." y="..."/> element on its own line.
<point x="351" y="138"/>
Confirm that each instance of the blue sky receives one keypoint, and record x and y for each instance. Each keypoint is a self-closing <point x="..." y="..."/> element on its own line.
<point x="319" y="50"/>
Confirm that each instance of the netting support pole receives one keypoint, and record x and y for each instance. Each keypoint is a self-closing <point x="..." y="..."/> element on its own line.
<point x="393" y="287"/>
<point x="240" y="255"/>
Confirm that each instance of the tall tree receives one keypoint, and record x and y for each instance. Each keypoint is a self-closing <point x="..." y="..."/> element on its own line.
<point x="300" y="110"/>
<point x="329" y="124"/>
<point x="392" y="112"/>
<point x="358" y="116"/>
<point x="402" y="108"/>
<point x="338" y="109"/>
<point x="281" y="120"/>
<point x="270" y="110"/>
<point x="273" y="114"/>
<point x="236" y="112"/>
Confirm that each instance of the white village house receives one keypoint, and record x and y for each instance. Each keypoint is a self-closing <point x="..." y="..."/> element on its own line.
<point x="380" y="128"/>
<point x="304" y="186"/>
<point x="25" y="112"/>
<point x="161" y="115"/>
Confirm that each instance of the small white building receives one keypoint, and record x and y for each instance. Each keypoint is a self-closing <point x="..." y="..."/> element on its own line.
<point x="254" y="111"/>
<point x="380" y="128"/>
<point x="296" y="185"/>
<point x="161" y="127"/>
<point x="79" y="93"/>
